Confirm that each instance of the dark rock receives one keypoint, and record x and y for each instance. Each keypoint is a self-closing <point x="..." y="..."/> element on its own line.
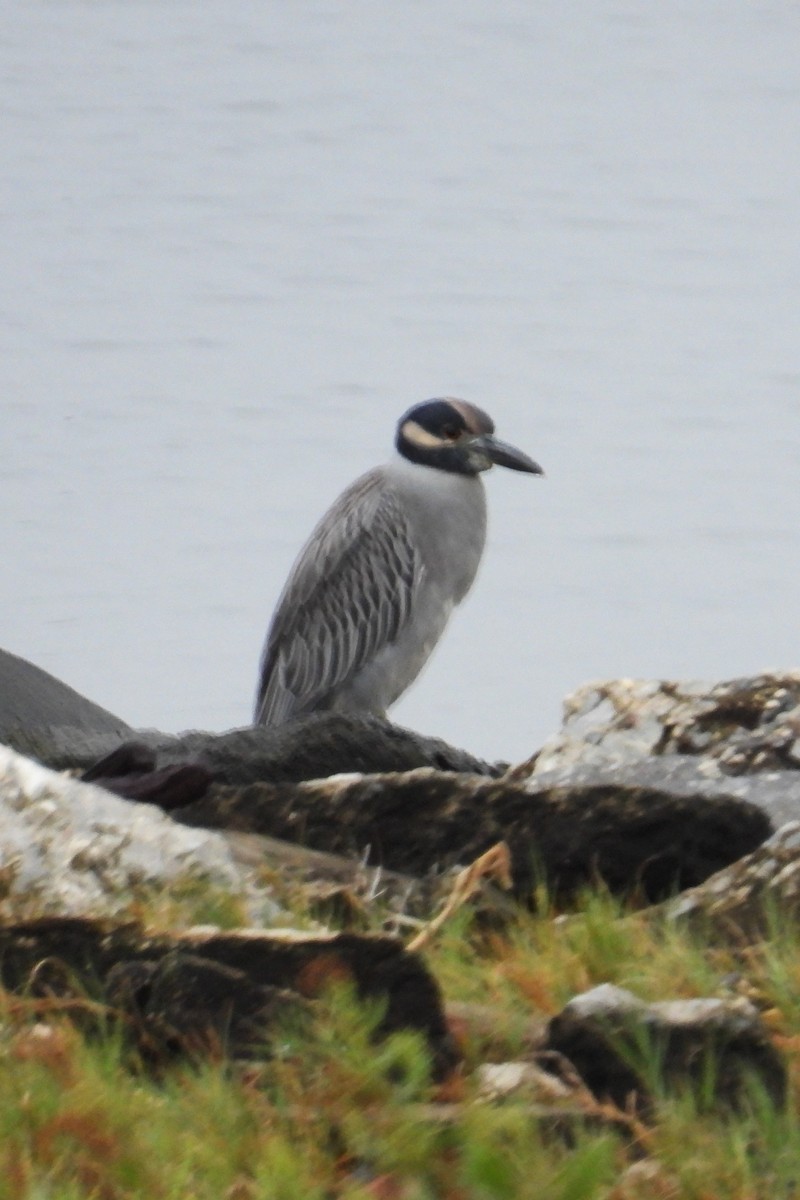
<point x="628" y="1052"/>
<point x="311" y="748"/>
<point x="632" y="838"/>
<point x="186" y="1003"/>
<point x="316" y="747"/>
<point x="129" y="759"/>
<point x="53" y="724"/>
<point x="181" y="990"/>
<point x="36" y="710"/>
<point x="130" y="771"/>
<point x="379" y="966"/>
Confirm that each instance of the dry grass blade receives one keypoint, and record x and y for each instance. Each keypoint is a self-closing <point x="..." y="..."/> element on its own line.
<point x="495" y="864"/>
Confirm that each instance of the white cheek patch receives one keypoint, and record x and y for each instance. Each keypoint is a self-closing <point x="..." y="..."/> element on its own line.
<point x="418" y="436"/>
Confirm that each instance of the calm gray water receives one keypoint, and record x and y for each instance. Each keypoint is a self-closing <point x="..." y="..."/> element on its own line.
<point x="239" y="239"/>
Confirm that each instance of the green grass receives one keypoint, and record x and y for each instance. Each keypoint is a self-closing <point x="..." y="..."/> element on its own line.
<point x="333" y="1115"/>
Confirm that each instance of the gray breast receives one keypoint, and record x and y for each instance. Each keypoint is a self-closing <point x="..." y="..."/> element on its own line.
<point x="446" y="517"/>
<point x="371" y="592"/>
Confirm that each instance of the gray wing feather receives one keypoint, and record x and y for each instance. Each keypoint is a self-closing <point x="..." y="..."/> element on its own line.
<point x="349" y="594"/>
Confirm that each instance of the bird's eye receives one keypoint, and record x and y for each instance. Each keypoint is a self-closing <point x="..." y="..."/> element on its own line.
<point x="451" y="432"/>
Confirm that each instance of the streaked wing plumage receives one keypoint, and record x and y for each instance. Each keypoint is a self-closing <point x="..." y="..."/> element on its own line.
<point x="350" y="593"/>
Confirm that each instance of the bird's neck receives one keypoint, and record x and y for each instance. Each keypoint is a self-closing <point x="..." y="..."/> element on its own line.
<point x="428" y="478"/>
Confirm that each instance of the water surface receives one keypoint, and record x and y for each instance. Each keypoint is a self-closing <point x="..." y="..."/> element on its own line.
<point x="239" y="240"/>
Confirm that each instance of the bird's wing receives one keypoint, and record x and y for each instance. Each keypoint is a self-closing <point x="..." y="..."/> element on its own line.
<point x="349" y="594"/>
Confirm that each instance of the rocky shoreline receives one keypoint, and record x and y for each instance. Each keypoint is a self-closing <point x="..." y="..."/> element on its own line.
<point x="679" y="795"/>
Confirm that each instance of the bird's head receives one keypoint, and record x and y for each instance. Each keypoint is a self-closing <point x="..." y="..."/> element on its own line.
<point x="458" y="437"/>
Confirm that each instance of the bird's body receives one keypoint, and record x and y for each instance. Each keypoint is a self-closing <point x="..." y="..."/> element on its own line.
<point x="373" y="588"/>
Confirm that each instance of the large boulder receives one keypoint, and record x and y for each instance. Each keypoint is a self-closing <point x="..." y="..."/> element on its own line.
<point x="565" y="833"/>
<point x="739" y="726"/>
<point x="67" y="847"/>
<point x="36" y="710"/>
<point x="740" y="737"/>
<point x="227" y="993"/>
<point x="309" y="748"/>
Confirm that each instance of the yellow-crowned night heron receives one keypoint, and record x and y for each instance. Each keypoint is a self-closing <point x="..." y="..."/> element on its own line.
<point x="372" y="590"/>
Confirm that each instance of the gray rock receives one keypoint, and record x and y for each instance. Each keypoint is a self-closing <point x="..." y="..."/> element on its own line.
<point x="496" y="1081"/>
<point x="681" y="776"/>
<point x="629" y="1051"/>
<point x="36" y="708"/>
<point x="742" y="901"/>
<point x="739" y="726"/>
<point x="739" y="739"/>
<point x="68" y="847"/>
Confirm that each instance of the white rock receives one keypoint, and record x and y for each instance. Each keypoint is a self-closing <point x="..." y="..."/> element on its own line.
<point x="73" y="848"/>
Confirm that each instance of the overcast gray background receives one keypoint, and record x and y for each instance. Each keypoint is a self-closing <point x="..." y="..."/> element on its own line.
<point x="239" y="239"/>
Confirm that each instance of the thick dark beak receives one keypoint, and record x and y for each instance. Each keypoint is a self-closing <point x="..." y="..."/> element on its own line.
<point x="508" y="456"/>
